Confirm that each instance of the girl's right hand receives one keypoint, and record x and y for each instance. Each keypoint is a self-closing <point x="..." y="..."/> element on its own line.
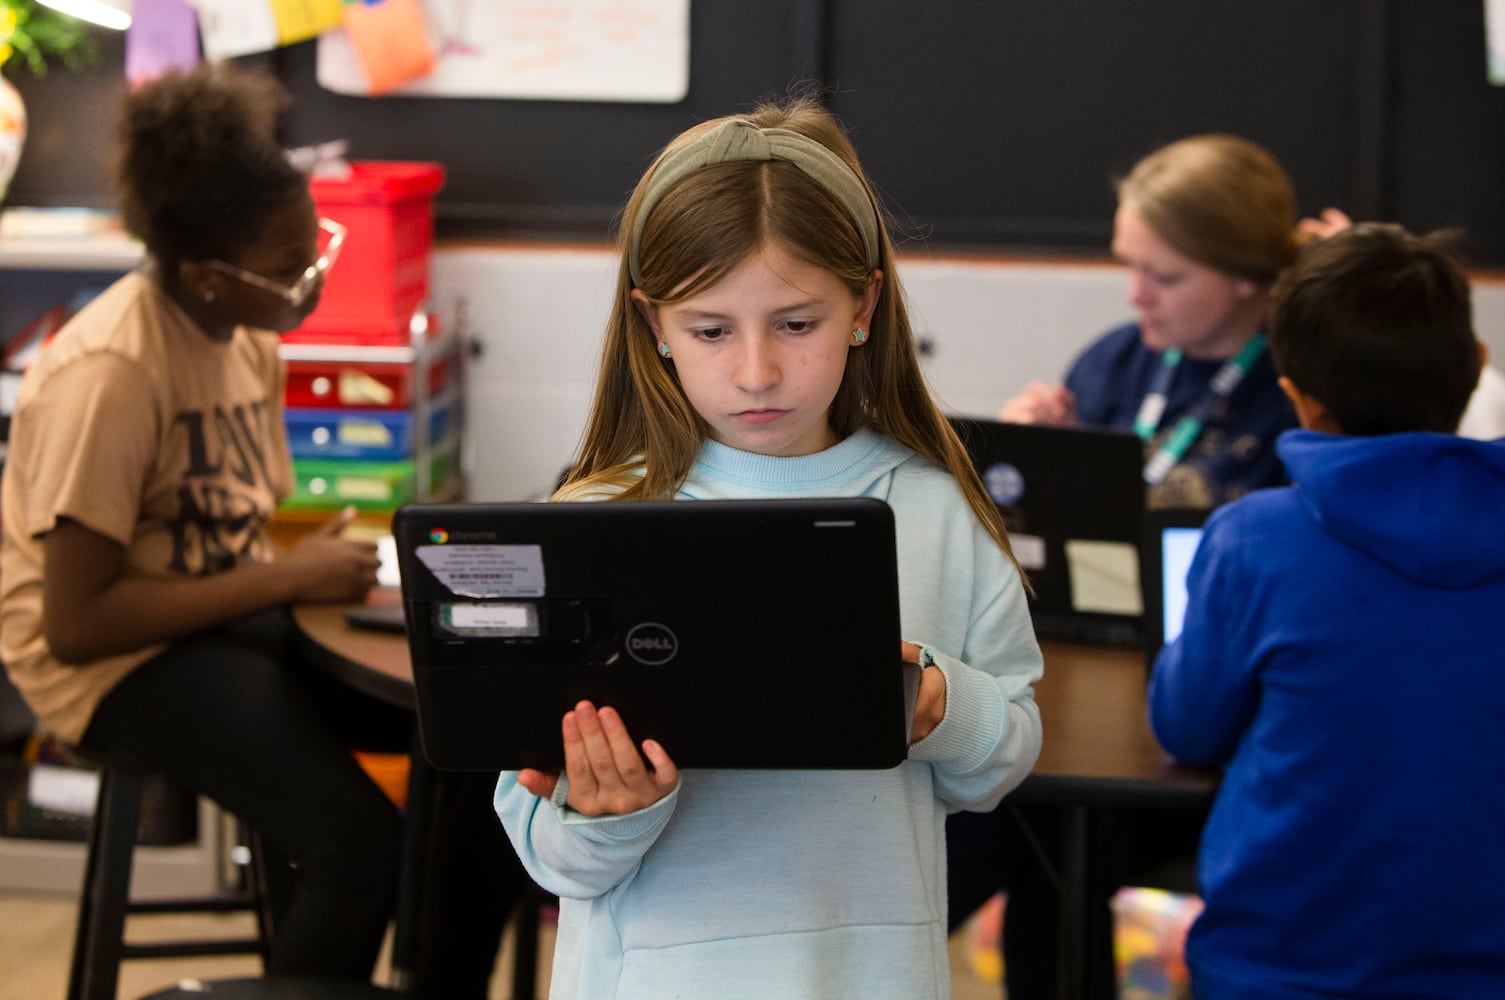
<point x="608" y="777"/>
<point x="326" y="567"/>
<point x="1040" y="403"/>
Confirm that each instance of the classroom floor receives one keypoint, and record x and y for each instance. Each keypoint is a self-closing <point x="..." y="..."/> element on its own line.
<point x="36" y="941"/>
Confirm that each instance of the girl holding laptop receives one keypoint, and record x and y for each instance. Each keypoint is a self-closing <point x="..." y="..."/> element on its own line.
<point x="759" y="347"/>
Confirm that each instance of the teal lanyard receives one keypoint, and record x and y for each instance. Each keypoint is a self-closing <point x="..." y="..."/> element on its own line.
<point x="1153" y="407"/>
<point x="1189" y="427"/>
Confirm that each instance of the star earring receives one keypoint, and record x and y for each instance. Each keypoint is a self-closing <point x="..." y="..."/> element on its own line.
<point x="859" y="336"/>
<point x="663" y="351"/>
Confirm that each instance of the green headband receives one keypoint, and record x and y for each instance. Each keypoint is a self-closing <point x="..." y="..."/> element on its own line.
<point x="739" y="139"/>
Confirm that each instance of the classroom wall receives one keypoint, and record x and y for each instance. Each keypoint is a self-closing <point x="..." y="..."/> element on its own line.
<point x="996" y="125"/>
<point x="988" y="325"/>
<point x="992" y="128"/>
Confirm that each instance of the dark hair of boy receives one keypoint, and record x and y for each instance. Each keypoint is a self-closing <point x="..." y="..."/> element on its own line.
<point x="1376" y="325"/>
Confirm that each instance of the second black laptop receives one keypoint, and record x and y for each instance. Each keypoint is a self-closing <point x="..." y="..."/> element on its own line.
<point x="1073" y="502"/>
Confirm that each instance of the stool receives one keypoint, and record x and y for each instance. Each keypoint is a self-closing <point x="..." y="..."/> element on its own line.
<point x="274" y="988"/>
<point x="99" y="945"/>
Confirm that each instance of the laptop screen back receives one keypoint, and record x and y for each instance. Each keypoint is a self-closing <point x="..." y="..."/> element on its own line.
<point x="1073" y="502"/>
<point x="696" y="621"/>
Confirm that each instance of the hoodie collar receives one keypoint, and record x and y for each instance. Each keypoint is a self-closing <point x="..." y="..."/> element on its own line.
<point x="1430" y="506"/>
<point x="846" y="468"/>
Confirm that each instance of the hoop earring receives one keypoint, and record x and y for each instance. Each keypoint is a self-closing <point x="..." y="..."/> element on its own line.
<point x="663" y="350"/>
<point x="860" y="336"/>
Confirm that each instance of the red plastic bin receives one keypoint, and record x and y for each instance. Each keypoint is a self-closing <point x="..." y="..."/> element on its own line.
<point x="382" y="273"/>
<point x="391" y="333"/>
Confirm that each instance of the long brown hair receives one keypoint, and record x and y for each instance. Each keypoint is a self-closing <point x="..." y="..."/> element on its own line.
<point x="643" y="435"/>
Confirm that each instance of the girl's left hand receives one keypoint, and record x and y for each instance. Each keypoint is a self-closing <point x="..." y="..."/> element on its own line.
<point x="607" y="774"/>
<point x="930" y="700"/>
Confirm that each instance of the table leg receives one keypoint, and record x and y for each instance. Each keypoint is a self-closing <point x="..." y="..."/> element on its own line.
<point x="1085" y="967"/>
<point x="1098" y="968"/>
<point x="1072" y="946"/>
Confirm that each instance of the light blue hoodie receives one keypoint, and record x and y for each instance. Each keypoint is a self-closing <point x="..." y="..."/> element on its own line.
<point x="807" y="884"/>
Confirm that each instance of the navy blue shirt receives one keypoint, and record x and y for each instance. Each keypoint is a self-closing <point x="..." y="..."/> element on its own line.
<point x="1235" y="452"/>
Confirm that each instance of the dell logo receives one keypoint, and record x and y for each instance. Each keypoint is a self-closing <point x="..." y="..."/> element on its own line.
<point x="654" y="643"/>
<point x="651" y="643"/>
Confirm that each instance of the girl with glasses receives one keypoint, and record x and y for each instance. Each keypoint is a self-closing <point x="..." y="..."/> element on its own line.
<point x="141" y="601"/>
<point x="143" y="608"/>
<point x="331" y="238"/>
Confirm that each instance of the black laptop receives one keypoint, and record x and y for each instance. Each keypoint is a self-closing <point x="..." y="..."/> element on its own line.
<point x="737" y="634"/>
<point x="1073" y="502"/>
<point x="1171" y="537"/>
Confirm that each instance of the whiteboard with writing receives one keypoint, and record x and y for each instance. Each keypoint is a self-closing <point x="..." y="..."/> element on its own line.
<point x="568" y="50"/>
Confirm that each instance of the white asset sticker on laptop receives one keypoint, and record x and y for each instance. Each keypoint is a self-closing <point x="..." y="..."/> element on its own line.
<point x="486" y="570"/>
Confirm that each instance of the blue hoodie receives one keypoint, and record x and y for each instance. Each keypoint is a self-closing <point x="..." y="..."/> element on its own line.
<point x="807" y="884"/>
<point x="1342" y="659"/>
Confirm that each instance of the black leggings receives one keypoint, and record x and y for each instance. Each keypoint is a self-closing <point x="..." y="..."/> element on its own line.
<point x="237" y="715"/>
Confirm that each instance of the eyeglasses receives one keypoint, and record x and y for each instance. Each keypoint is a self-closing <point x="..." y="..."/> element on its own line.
<point x="331" y="238"/>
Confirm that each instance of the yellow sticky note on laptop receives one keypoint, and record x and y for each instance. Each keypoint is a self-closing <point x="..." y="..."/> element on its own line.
<point x="1104" y="577"/>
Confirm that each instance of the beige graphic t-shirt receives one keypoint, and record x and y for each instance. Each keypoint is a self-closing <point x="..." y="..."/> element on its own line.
<point x="137" y="425"/>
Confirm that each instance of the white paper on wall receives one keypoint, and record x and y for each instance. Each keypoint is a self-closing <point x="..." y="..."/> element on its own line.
<point x="236" y="27"/>
<point x="567" y="50"/>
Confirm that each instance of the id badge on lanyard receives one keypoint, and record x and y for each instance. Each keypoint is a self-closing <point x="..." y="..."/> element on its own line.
<point x="1189" y="427"/>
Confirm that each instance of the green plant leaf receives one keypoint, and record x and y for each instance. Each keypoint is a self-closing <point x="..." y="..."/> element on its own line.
<point x="43" y="34"/>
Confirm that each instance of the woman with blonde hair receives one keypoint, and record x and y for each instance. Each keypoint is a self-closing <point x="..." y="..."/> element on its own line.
<point x="1205" y="226"/>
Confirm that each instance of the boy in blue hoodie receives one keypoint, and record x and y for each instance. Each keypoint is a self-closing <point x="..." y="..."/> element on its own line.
<point x="1341" y="656"/>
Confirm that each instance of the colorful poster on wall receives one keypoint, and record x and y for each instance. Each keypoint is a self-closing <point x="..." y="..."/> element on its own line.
<point x="302" y="19"/>
<point x="567" y="50"/>
<point x="391" y="41"/>
<point x="163" y="36"/>
<point x="235" y="28"/>
<point x="240" y="27"/>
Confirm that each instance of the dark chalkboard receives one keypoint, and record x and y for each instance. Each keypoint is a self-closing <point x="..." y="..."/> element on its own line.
<point x="993" y="124"/>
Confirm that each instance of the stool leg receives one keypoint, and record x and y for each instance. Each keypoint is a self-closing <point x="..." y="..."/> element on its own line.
<point x="97" y="945"/>
<point x="259" y="888"/>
